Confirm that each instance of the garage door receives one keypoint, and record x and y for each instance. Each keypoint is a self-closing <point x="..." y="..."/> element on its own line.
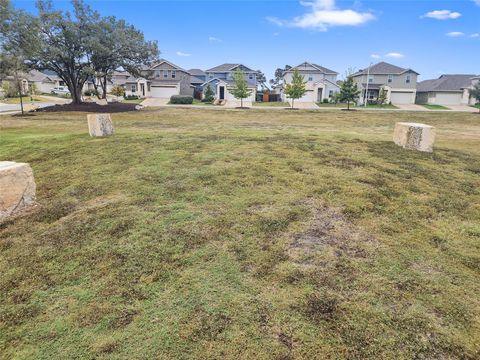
<point x="448" y="98"/>
<point x="163" y="92"/>
<point x="401" y="98"/>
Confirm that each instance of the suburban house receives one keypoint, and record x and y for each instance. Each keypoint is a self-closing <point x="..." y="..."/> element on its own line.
<point x="41" y="82"/>
<point x="321" y="82"/>
<point x="220" y="79"/>
<point x="399" y="83"/>
<point x="447" y="90"/>
<point x="162" y="80"/>
<point x="197" y="78"/>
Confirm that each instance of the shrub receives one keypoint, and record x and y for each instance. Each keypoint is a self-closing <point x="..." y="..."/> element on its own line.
<point x="118" y="90"/>
<point x="209" y="95"/>
<point x="90" y="92"/>
<point x="131" y="97"/>
<point x="325" y="101"/>
<point x="181" y="99"/>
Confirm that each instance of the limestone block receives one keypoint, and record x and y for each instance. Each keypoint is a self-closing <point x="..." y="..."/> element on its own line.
<point x="17" y="188"/>
<point x="100" y="125"/>
<point x="414" y="136"/>
<point x="102" y="102"/>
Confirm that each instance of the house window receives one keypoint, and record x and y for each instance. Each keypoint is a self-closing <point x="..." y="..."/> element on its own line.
<point x="210" y="76"/>
<point x="250" y="76"/>
<point x="330" y="94"/>
<point x="407" y="79"/>
<point x="134" y="88"/>
<point x="165" y="74"/>
<point x="310" y="78"/>
<point x="390" y="78"/>
<point x="148" y="87"/>
<point x="157" y="73"/>
<point x="174" y="73"/>
<point x="370" y="79"/>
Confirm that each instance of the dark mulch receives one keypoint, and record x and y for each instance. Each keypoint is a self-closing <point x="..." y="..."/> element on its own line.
<point x="91" y="107"/>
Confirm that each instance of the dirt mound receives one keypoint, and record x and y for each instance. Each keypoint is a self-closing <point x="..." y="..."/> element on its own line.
<point x="90" y="107"/>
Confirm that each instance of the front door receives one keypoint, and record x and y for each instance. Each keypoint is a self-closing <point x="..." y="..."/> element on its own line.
<point x="142" y="89"/>
<point x="319" y="95"/>
<point x="222" y="93"/>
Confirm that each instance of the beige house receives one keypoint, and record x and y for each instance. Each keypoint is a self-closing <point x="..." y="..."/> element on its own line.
<point x="162" y="80"/>
<point x="38" y="81"/>
<point x="447" y="90"/>
<point x="321" y="82"/>
<point x="400" y="84"/>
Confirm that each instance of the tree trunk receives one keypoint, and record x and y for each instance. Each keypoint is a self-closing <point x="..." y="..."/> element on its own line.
<point x="241" y="103"/>
<point x="104" y="86"/>
<point x="20" y="94"/>
<point x="95" y="87"/>
<point x="348" y="105"/>
<point x="293" y="101"/>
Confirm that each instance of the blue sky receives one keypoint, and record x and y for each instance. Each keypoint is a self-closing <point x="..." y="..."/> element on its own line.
<point x="431" y="37"/>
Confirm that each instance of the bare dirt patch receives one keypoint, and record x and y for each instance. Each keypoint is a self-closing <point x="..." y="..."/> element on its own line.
<point x="330" y="231"/>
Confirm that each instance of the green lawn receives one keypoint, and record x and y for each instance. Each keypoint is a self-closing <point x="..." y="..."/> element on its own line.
<point x="344" y="105"/>
<point x="273" y="103"/>
<point x="476" y="106"/>
<point x="435" y="107"/>
<point x="216" y="234"/>
<point x="132" y="101"/>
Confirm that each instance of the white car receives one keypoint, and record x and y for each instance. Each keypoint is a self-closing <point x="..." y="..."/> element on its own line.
<point x="60" y="90"/>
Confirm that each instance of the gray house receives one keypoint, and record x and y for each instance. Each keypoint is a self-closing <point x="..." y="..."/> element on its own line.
<point x="220" y="79"/>
<point x="447" y="90"/>
<point x="321" y="82"/>
<point x="399" y="83"/>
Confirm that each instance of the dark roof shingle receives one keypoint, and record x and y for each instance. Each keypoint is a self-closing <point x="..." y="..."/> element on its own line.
<point x="446" y="83"/>
<point x="382" y="68"/>
<point x="228" y="67"/>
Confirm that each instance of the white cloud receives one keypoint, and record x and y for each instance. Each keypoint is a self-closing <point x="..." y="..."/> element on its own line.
<point x="214" y="39"/>
<point x="375" y="56"/>
<point x="179" y="53"/>
<point x="477" y="2"/>
<point x="443" y="14"/>
<point x="276" y="34"/>
<point x="322" y="15"/>
<point x="395" y="55"/>
<point x="476" y="35"/>
<point x="455" y="34"/>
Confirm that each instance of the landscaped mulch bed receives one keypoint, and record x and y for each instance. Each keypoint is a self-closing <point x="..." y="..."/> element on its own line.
<point x="90" y="107"/>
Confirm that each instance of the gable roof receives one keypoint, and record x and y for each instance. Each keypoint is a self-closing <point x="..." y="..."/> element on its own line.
<point x="383" y="68"/>
<point x="456" y="82"/>
<point x="318" y="67"/>
<point x="196" y="72"/>
<point x="228" y="67"/>
<point x="162" y="61"/>
<point x="196" y="80"/>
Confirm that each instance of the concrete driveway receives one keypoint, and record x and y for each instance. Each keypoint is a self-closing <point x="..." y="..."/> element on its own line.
<point x="153" y="102"/>
<point x="411" y="107"/>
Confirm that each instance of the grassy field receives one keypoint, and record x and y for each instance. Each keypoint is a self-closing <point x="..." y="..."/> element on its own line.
<point x="132" y="101"/>
<point x="344" y="105"/>
<point x="243" y="235"/>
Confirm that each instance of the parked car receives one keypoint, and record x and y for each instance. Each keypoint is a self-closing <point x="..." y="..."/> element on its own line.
<point x="60" y="90"/>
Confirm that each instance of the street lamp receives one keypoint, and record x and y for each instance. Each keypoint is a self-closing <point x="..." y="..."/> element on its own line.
<point x="365" y="99"/>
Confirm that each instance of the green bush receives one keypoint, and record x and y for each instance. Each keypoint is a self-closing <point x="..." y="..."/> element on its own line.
<point x="131" y="97"/>
<point x="90" y="92"/>
<point x="325" y="101"/>
<point x="181" y="99"/>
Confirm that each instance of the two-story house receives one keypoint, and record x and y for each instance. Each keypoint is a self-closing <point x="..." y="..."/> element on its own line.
<point x="321" y="82"/>
<point x="400" y="84"/>
<point x="447" y="90"/>
<point x="220" y="79"/>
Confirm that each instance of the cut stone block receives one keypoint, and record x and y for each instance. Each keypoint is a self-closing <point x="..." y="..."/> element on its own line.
<point x="100" y="125"/>
<point x="414" y="136"/>
<point x="102" y="102"/>
<point x="17" y="188"/>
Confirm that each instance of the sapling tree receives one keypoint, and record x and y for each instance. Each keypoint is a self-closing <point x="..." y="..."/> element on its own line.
<point x="209" y="95"/>
<point x="349" y="91"/>
<point x="382" y="97"/>
<point x="240" y="88"/>
<point x="297" y="88"/>
<point x="475" y="93"/>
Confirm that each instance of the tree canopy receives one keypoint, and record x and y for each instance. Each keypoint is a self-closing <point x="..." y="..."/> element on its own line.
<point x="349" y="91"/>
<point x="78" y="46"/>
<point x="475" y="93"/>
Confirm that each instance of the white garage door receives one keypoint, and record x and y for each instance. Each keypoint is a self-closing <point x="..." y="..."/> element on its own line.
<point x="448" y="98"/>
<point x="401" y="98"/>
<point x="163" y="92"/>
